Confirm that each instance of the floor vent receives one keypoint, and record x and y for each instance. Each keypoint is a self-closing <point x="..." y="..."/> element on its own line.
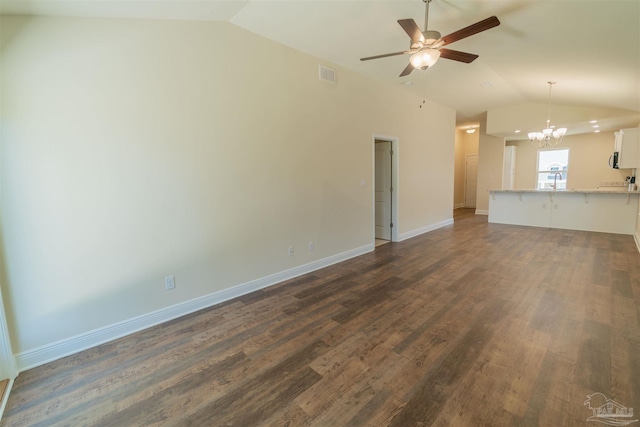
<point x="327" y="74"/>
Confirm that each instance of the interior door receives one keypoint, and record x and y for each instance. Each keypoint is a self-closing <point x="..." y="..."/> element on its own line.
<point x="471" y="180"/>
<point x="383" y="189"/>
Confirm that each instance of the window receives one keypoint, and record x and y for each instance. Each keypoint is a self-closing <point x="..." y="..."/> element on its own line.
<point x="550" y="163"/>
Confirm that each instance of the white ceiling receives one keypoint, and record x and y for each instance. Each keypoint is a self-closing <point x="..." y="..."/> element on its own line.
<point x="590" y="48"/>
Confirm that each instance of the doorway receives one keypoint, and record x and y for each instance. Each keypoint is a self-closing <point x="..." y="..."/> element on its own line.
<point x="384" y="189"/>
<point x="470" y="180"/>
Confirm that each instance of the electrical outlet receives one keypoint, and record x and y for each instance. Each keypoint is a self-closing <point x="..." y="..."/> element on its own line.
<point x="290" y="250"/>
<point x="169" y="282"/>
<point x="311" y="246"/>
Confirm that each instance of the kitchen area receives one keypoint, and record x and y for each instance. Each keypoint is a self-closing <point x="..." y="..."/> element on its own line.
<point x="577" y="184"/>
<point x="592" y="190"/>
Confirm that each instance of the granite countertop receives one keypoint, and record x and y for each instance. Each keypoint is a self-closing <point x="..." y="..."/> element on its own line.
<point x="571" y="190"/>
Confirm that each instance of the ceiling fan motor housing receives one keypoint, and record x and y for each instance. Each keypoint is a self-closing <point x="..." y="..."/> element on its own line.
<point x="430" y="37"/>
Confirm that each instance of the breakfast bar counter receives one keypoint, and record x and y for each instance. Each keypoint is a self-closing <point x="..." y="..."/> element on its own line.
<point x="605" y="211"/>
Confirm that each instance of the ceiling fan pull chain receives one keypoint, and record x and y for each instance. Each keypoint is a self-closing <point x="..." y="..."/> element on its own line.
<point x="423" y="87"/>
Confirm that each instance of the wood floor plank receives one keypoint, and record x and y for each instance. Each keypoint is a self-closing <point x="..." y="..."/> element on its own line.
<point x="377" y="411"/>
<point x="532" y="347"/>
<point x="289" y="416"/>
<point x="256" y="399"/>
<point x="620" y="380"/>
<point x="430" y="395"/>
<point x="554" y="397"/>
<point x="632" y="374"/>
<point x="594" y="357"/>
<point x="468" y="325"/>
<point x="548" y="312"/>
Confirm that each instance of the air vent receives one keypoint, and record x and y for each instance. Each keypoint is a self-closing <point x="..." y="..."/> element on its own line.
<point x="327" y="74"/>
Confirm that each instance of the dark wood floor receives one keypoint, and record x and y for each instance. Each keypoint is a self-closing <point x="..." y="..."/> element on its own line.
<point x="470" y="325"/>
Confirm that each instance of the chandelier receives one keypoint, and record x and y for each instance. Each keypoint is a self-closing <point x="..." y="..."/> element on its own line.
<point x="543" y="139"/>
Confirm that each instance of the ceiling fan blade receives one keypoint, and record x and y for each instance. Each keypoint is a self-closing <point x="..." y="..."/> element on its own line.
<point x="456" y="55"/>
<point x="468" y="31"/>
<point x="412" y="29"/>
<point x="383" y="56"/>
<point x="408" y="69"/>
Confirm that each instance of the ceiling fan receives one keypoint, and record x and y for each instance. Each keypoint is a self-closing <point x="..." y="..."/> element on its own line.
<point x="426" y="47"/>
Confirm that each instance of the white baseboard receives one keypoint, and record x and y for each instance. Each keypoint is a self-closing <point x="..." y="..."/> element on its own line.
<point x="68" y="346"/>
<point x="636" y="237"/>
<point x="482" y="212"/>
<point x="458" y="206"/>
<point x="419" y="231"/>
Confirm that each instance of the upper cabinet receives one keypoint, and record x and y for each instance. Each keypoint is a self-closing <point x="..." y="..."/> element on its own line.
<point x="628" y="148"/>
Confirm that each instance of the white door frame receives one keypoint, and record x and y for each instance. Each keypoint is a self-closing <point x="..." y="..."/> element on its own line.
<point x="395" y="166"/>
<point x="8" y="367"/>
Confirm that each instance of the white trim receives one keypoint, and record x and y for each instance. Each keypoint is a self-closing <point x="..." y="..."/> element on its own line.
<point x="482" y="212"/>
<point x="50" y="352"/>
<point x="459" y="205"/>
<point x="636" y="237"/>
<point x="5" y="399"/>
<point x="8" y="367"/>
<point x="419" y="231"/>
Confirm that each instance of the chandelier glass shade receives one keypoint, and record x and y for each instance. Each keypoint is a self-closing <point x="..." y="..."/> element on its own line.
<point x="424" y="59"/>
<point x="549" y="137"/>
<point x="540" y="139"/>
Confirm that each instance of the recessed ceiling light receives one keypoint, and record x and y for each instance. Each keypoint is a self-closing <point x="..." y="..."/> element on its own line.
<point x="593" y="121"/>
<point x="595" y="126"/>
<point x="518" y="131"/>
<point x="596" y="131"/>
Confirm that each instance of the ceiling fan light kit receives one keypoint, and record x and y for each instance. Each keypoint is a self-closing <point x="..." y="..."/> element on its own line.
<point x="424" y="58"/>
<point x="426" y="46"/>
<point x="543" y="139"/>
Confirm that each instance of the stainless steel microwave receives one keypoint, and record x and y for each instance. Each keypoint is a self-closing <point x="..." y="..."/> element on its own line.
<point x="613" y="160"/>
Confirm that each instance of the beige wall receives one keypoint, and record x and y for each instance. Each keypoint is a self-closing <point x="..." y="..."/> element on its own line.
<point x="588" y="161"/>
<point x="490" y="164"/>
<point x="133" y="150"/>
<point x="466" y="143"/>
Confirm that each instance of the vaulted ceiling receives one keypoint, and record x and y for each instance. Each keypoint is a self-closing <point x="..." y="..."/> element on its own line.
<point x="590" y="48"/>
